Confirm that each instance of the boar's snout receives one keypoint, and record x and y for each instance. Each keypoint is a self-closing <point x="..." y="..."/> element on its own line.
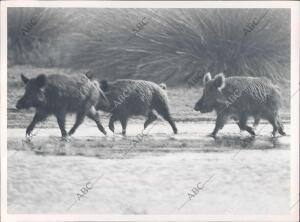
<point x="197" y="105"/>
<point x="18" y="105"/>
<point x="24" y="103"/>
<point x="203" y="107"/>
<point x="21" y="104"/>
<point x="31" y="100"/>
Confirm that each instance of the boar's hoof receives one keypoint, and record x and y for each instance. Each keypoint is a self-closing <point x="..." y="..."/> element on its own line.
<point x="280" y="130"/>
<point x="213" y="135"/>
<point x="66" y="139"/>
<point x="28" y="137"/>
<point x="112" y="128"/>
<point x="252" y="134"/>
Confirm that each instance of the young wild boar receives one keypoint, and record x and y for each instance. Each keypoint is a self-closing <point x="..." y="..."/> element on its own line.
<point x="135" y="97"/>
<point x="59" y="95"/>
<point x="240" y="98"/>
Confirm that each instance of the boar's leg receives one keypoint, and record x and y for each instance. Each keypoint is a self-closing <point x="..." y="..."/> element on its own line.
<point x="151" y="118"/>
<point x="124" y="121"/>
<point x="256" y="121"/>
<point x="79" y="119"/>
<point x="280" y="127"/>
<point x="111" y="122"/>
<point x="163" y="110"/>
<point x="61" y="119"/>
<point x="274" y="124"/>
<point x="220" y="122"/>
<point x="277" y="125"/>
<point x="94" y="115"/>
<point x="168" y="118"/>
<point x="243" y="124"/>
<point x="38" y="117"/>
<point x="171" y="122"/>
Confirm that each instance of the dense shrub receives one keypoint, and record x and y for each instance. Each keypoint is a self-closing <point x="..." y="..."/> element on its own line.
<point x="170" y="45"/>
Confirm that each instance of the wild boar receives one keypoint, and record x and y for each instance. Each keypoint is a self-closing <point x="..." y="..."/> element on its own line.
<point x="59" y="95"/>
<point x="135" y="97"/>
<point x="240" y="98"/>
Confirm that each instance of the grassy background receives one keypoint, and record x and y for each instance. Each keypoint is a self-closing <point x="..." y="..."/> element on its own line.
<point x="173" y="45"/>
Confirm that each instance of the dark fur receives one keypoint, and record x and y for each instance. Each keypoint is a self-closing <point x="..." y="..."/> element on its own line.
<point x="240" y="98"/>
<point x="59" y="95"/>
<point x="135" y="97"/>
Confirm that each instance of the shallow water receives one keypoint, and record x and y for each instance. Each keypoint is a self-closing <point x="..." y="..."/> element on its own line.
<point x="150" y="174"/>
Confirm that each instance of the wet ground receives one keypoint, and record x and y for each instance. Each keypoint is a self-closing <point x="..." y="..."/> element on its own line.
<point x="149" y="172"/>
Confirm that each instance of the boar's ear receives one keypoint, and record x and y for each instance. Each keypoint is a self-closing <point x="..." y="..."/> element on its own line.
<point x="219" y="81"/>
<point x="104" y="85"/>
<point x="206" y="78"/>
<point x="41" y="80"/>
<point x="24" y="78"/>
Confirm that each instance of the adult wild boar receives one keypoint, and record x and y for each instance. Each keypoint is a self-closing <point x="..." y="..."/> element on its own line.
<point x="240" y="98"/>
<point x="135" y="97"/>
<point x="59" y="95"/>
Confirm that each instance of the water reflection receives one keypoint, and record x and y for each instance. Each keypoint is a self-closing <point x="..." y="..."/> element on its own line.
<point x="250" y="142"/>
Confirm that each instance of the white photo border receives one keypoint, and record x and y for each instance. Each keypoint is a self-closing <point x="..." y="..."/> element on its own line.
<point x="294" y="151"/>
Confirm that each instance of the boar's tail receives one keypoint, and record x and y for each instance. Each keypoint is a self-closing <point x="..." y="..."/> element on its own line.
<point x="277" y="96"/>
<point x="160" y="104"/>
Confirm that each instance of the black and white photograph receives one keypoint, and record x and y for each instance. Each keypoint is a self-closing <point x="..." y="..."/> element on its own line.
<point x="157" y="111"/>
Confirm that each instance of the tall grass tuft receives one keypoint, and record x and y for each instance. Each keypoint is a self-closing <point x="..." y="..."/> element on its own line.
<point x="35" y="34"/>
<point x="173" y="46"/>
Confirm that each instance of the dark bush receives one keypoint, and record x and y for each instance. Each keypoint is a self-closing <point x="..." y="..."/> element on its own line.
<point x="172" y="45"/>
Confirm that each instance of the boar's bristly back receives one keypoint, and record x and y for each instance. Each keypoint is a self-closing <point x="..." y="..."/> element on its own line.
<point x="258" y="89"/>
